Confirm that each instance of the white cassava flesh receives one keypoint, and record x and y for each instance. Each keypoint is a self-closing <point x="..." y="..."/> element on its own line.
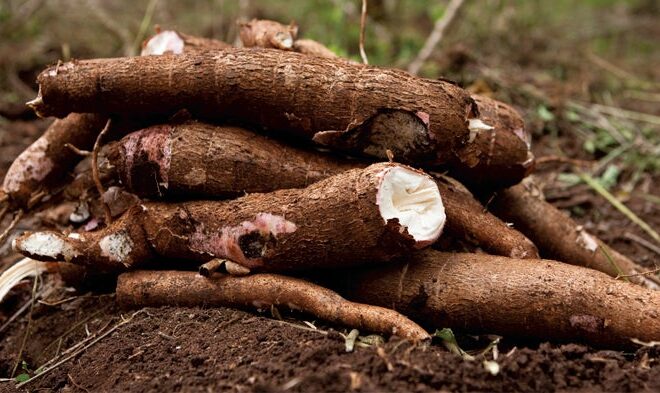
<point x="164" y="42"/>
<point x="476" y="126"/>
<point x="44" y="244"/>
<point x="414" y="200"/>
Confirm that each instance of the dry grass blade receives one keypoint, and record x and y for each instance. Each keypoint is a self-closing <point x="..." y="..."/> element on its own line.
<point x="435" y="36"/>
<point x="363" y="23"/>
<point x="619" y="206"/>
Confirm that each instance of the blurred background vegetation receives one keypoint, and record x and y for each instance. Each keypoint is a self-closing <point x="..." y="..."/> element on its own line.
<point x="584" y="73"/>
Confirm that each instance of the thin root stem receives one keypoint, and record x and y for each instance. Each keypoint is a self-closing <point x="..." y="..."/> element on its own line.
<point x="11" y="226"/>
<point x="95" y="171"/>
<point x="78" y="151"/>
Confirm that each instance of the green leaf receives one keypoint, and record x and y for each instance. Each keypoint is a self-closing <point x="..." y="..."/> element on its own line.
<point x="449" y="341"/>
<point x="545" y="114"/>
<point x="610" y="177"/>
<point x="22" y="377"/>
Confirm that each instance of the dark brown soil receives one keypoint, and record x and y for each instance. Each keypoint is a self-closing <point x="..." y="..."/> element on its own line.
<point x="195" y="349"/>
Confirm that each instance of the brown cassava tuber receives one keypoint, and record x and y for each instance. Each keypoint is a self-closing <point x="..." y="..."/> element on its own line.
<point x="561" y="238"/>
<point x="352" y="107"/>
<point x="361" y="215"/>
<point x="220" y="161"/>
<point x="260" y="291"/>
<point x="44" y="162"/>
<point x="264" y="33"/>
<point x="538" y="299"/>
<point x="498" y="153"/>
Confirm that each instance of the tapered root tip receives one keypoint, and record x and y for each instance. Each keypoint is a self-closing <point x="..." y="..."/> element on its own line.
<point x="18" y="272"/>
<point x="413" y="199"/>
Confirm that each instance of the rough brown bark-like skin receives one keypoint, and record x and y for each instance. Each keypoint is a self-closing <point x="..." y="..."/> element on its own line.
<point x="260" y="291"/>
<point x="201" y="43"/>
<point x="215" y="161"/>
<point x="540" y="299"/>
<point x="468" y="219"/>
<point x="335" y="222"/>
<point x="558" y="236"/>
<point x="268" y="34"/>
<point x="218" y="161"/>
<point x="46" y="161"/>
<point x="313" y="48"/>
<point x="496" y="158"/>
<point x="280" y="90"/>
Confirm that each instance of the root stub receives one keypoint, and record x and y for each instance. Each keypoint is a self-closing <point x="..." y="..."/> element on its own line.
<point x="277" y="90"/>
<point x="540" y="299"/>
<point x="362" y="215"/>
<point x="260" y="291"/>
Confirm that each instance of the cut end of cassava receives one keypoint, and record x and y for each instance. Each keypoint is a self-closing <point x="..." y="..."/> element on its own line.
<point x="44" y="246"/>
<point x="21" y="270"/>
<point x="168" y="41"/>
<point x="413" y="199"/>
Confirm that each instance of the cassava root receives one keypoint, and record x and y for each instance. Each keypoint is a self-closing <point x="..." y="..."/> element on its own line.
<point x="344" y="106"/>
<point x="46" y="160"/>
<point x="540" y="299"/>
<point x="498" y="152"/>
<point x="220" y="161"/>
<point x="361" y="215"/>
<point x="559" y="237"/>
<point x="260" y="291"/>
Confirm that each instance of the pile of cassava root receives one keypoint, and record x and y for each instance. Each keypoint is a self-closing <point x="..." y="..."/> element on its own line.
<point x="279" y="174"/>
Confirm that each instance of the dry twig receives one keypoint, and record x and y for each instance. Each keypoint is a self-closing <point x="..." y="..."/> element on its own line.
<point x="435" y="36"/>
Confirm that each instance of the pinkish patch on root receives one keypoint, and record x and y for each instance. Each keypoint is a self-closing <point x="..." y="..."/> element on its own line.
<point x="587" y="323"/>
<point x="152" y="144"/>
<point x="245" y="243"/>
<point x="32" y="164"/>
<point x="424" y="117"/>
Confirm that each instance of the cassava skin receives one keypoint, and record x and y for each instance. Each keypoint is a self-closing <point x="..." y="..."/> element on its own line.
<point x="353" y="107"/>
<point x="335" y="222"/>
<point x="499" y="157"/>
<point x="260" y="291"/>
<point x="268" y="34"/>
<point x="313" y="48"/>
<point x="468" y="219"/>
<point x="493" y="159"/>
<point x="45" y="161"/>
<point x="218" y="161"/>
<point x="215" y="161"/>
<point x="538" y="299"/>
<point x="558" y="236"/>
